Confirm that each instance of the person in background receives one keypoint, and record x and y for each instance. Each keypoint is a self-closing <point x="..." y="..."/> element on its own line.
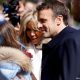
<point x="1" y="8"/>
<point x="30" y="5"/>
<point x="75" y="10"/>
<point x="25" y="6"/>
<point x="2" y="14"/>
<point x="8" y="34"/>
<point x="21" y="7"/>
<point x="60" y="56"/>
<point x="11" y="57"/>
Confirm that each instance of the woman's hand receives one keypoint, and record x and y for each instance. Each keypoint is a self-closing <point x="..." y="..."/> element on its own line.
<point x="21" y="77"/>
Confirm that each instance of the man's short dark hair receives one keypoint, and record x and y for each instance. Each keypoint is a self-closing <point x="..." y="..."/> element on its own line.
<point x="57" y="7"/>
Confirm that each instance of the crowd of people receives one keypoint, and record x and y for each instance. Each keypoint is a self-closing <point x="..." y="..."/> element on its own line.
<point x="44" y="44"/>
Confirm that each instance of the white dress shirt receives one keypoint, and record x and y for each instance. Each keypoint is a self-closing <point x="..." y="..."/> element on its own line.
<point x="36" y="61"/>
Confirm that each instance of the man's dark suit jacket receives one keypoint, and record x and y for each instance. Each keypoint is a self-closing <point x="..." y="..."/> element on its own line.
<point x="61" y="56"/>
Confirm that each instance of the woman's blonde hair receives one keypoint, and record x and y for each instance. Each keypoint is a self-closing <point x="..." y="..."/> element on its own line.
<point x="29" y="16"/>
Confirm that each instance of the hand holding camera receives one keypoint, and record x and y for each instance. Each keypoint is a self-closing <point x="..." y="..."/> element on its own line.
<point x="10" y="9"/>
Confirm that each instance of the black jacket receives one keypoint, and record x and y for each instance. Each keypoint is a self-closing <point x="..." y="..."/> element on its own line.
<point x="61" y="56"/>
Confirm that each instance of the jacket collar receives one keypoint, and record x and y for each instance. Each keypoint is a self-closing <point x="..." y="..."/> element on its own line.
<point x="55" y="40"/>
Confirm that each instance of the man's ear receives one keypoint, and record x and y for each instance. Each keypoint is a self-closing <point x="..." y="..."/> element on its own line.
<point x="59" y="20"/>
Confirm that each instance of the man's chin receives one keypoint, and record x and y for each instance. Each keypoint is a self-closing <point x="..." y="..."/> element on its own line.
<point x="46" y="35"/>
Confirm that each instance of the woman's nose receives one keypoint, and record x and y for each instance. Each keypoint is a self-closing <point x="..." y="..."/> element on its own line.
<point x="32" y="33"/>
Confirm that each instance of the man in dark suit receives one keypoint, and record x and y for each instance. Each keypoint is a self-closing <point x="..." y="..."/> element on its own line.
<point x="60" y="60"/>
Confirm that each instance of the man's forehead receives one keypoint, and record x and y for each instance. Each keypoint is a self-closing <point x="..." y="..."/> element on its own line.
<point x="45" y="12"/>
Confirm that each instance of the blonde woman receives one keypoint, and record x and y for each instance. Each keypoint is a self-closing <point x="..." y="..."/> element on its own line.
<point x="31" y="37"/>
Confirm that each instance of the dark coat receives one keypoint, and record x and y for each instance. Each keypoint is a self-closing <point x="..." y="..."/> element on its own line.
<point x="61" y="56"/>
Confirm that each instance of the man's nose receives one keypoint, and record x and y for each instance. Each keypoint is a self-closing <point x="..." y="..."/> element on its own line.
<point x="39" y="25"/>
